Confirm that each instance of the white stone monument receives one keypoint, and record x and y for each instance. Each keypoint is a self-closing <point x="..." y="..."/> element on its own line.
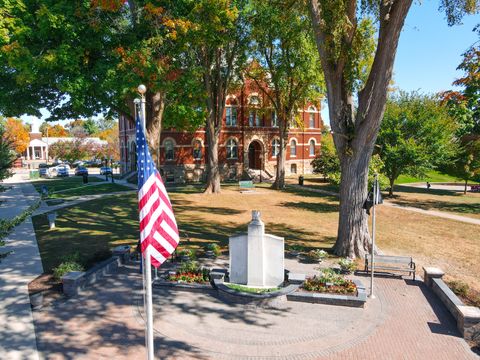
<point x="256" y="258"/>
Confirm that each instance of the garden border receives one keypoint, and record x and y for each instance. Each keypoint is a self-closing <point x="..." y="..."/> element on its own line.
<point x="358" y="300"/>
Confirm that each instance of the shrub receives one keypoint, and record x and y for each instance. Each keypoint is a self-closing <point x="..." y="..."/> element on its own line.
<point x="347" y="265"/>
<point x="317" y="254"/>
<point x="459" y="287"/>
<point x="215" y="248"/>
<point x="66" y="267"/>
<point x="187" y="252"/>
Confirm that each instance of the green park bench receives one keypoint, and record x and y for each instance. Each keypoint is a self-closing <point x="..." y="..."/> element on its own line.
<point x="246" y="184"/>
<point x="390" y="263"/>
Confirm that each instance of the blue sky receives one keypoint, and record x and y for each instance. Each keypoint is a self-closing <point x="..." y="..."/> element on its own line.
<point x="429" y="50"/>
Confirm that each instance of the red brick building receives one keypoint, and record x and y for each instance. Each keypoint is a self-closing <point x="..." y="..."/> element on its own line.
<point x="249" y="139"/>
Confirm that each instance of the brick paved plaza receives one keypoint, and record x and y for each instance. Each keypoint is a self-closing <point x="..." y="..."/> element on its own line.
<point x="405" y="321"/>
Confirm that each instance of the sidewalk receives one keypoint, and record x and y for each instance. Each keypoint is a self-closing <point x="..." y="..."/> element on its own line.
<point x="441" y="214"/>
<point x="16" y="199"/>
<point x="405" y="321"/>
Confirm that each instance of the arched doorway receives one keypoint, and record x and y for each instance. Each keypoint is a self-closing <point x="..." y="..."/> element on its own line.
<point x="255" y="155"/>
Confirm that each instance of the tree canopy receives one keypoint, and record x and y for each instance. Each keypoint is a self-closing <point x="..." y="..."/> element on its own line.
<point x="416" y="135"/>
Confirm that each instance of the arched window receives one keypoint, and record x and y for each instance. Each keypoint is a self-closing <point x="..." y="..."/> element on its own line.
<point x="169" y="149"/>
<point x="311" y="121"/>
<point x="254" y="100"/>
<point x="275" y="147"/>
<point x="197" y="149"/>
<point x="312" y="147"/>
<point x="293" y="148"/>
<point x="274" y="119"/>
<point x="232" y="149"/>
<point x="231" y="116"/>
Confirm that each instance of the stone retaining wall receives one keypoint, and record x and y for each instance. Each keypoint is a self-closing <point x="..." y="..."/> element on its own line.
<point x="467" y="317"/>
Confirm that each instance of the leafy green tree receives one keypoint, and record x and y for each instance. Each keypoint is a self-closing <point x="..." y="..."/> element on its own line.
<point x="466" y="163"/>
<point x="416" y="136"/>
<point x="356" y="105"/>
<point x="218" y="40"/>
<point x="90" y="126"/>
<point x="285" y="65"/>
<point x="81" y="58"/>
<point x="7" y="153"/>
<point x="327" y="163"/>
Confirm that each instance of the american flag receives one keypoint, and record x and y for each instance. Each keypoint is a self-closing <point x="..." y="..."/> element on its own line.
<point x="158" y="228"/>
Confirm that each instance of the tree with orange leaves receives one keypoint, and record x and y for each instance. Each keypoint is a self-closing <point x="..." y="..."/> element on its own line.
<point x="18" y="134"/>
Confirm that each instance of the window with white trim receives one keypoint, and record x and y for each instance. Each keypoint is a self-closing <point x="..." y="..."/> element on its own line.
<point x="231" y="116"/>
<point x="169" y="149"/>
<point x="253" y="118"/>
<point x="275" y="147"/>
<point x="232" y="149"/>
<point x="274" y="119"/>
<point x="293" y="148"/>
<point x="197" y="149"/>
<point x="312" y="147"/>
<point x="311" y="123"/>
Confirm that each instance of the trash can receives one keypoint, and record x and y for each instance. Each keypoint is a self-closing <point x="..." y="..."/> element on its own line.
<point x="85" y="178"/>
<point x="300" y="180"/>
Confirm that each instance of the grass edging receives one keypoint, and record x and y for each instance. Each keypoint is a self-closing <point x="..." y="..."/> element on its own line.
<point x="6" y="226"/>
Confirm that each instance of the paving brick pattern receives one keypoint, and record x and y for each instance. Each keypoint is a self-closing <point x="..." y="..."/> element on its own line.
<point x="405" y="321"/>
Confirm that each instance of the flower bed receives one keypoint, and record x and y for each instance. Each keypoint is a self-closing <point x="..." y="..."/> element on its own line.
<point x="331" y="288"/>
<point x="330" y="282"/>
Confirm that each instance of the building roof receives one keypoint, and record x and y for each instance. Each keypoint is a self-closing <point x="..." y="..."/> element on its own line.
<point x="52" y="140"/>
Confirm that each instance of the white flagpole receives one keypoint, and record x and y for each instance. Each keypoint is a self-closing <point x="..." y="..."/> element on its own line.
<point x="372" y="266"/>
<point x="148" y="262"/>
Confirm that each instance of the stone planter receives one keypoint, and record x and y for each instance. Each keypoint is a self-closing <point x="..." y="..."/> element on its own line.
<point x="36" y="300"/>
<point x="210" y="254"/>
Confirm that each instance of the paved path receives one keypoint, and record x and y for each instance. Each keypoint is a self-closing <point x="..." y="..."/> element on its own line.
<point x="405" y="321"/>
<point x="17" y="335"/>
<point x="16" y="199"/>
<point x="442" y="214"/>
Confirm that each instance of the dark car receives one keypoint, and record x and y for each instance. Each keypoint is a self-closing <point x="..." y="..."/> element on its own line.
<point x="81" y="170"/>
<point x="105" y="170"/>
<point x="62" y="170"/>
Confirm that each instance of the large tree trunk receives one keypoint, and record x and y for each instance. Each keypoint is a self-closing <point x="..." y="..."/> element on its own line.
<point x="390" y="191"/>
<point x="279" y="182"/>
<point x="213" y="170"/>
<point x="355" y="132"/>
<point x="155" y="107"/>
<point x="353" y="235"/>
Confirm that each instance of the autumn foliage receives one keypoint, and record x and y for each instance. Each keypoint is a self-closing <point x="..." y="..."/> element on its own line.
<point x="17" y="133"/>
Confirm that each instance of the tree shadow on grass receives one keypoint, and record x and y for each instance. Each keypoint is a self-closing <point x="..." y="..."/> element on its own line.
<point x="418" y="190"/>
<point x="468" y="208"/>
<point x="311" y="194"/>
<point x="315" y="207"/>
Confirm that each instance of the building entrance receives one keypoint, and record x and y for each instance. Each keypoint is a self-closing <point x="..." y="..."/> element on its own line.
<point x="255" y="155"/>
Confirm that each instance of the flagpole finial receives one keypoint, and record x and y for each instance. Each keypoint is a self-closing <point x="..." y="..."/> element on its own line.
<point x="142" y="89"/>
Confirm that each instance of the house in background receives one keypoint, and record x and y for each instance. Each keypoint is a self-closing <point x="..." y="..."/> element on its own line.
<point x="249" y="142"/>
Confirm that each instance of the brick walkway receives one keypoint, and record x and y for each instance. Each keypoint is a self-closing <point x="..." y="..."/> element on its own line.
<point x="405" y="321"/>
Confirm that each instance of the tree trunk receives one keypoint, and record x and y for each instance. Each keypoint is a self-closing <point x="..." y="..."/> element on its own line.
<point x="353" y="235"/>
<point x="279" y="183"/>
<point x="154" y="108"/>
<point x="390" y="191"/>
<point x="213" y="170"/>
<point x="465" y="189"/>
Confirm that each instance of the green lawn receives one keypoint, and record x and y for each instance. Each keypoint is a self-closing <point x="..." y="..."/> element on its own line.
<point x="90" y="190"/>
<point x="59" y="184"/>
<point x="90" y="228"/>
<point x="432" y="176"/>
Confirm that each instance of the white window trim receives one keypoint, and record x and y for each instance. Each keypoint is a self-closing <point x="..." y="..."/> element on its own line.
<point x="226" y="146"/>
<point x="314" y="147"/>
<point x="273" y="147"/>
<point x="296" y="147"/>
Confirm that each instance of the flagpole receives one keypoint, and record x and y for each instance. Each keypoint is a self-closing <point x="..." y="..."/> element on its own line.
<point x="372" y="266"/>
<point x="148" y="261"/>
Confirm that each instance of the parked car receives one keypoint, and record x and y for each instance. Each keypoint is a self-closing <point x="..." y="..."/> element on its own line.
<point x="81" y="170"/>
<point x="63" y="170"/>
<point x="105" y="170"/>
<point x="78" y="163"/>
